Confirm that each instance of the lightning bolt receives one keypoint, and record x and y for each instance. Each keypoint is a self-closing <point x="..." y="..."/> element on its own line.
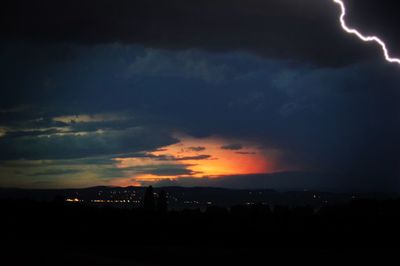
<point x="362" y="37"/>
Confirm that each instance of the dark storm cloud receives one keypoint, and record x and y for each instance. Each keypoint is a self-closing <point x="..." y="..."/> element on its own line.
<point x="30" y="133"/>
<point x="283" y="180"/>
<point x="197" y="157"/>
<point x="56" y="172"/>
<point x="164" y="157"/>
<point x="82" y="145"/>
<point x="199" y="148"/>
<point x="245" y="152"/>
<point x="233" y="147"/>
<point x="171" y="170"/>
<point x="301" y="30"/>
<point x="374" y="17"/>
<point x="342" y="121"/>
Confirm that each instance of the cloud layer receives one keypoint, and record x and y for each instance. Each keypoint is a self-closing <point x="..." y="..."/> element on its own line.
<point x="85" y="83"/>
<point x="300" y="30"/>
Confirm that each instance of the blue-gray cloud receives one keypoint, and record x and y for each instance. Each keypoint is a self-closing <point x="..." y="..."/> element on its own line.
<point x="334" y="120"/>
<point x="86" y="144"/>
<point x="233" y="147"/>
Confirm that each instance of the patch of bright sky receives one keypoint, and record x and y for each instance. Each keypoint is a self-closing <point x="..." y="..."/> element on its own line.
<point x="249" y="159"/>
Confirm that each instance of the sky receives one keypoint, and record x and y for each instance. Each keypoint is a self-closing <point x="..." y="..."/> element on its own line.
<point x="238" y="93"/>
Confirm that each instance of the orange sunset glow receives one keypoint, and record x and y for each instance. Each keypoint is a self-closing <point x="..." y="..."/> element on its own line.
<point x="210" y="157"/>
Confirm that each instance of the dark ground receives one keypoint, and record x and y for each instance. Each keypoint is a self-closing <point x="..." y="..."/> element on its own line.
<point x="56" y="233"/>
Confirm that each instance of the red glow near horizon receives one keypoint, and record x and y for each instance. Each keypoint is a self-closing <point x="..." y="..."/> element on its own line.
<point x="247" y="159"/>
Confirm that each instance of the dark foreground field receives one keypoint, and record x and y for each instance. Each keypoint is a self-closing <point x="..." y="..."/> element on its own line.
<point x="57" y="233"/>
